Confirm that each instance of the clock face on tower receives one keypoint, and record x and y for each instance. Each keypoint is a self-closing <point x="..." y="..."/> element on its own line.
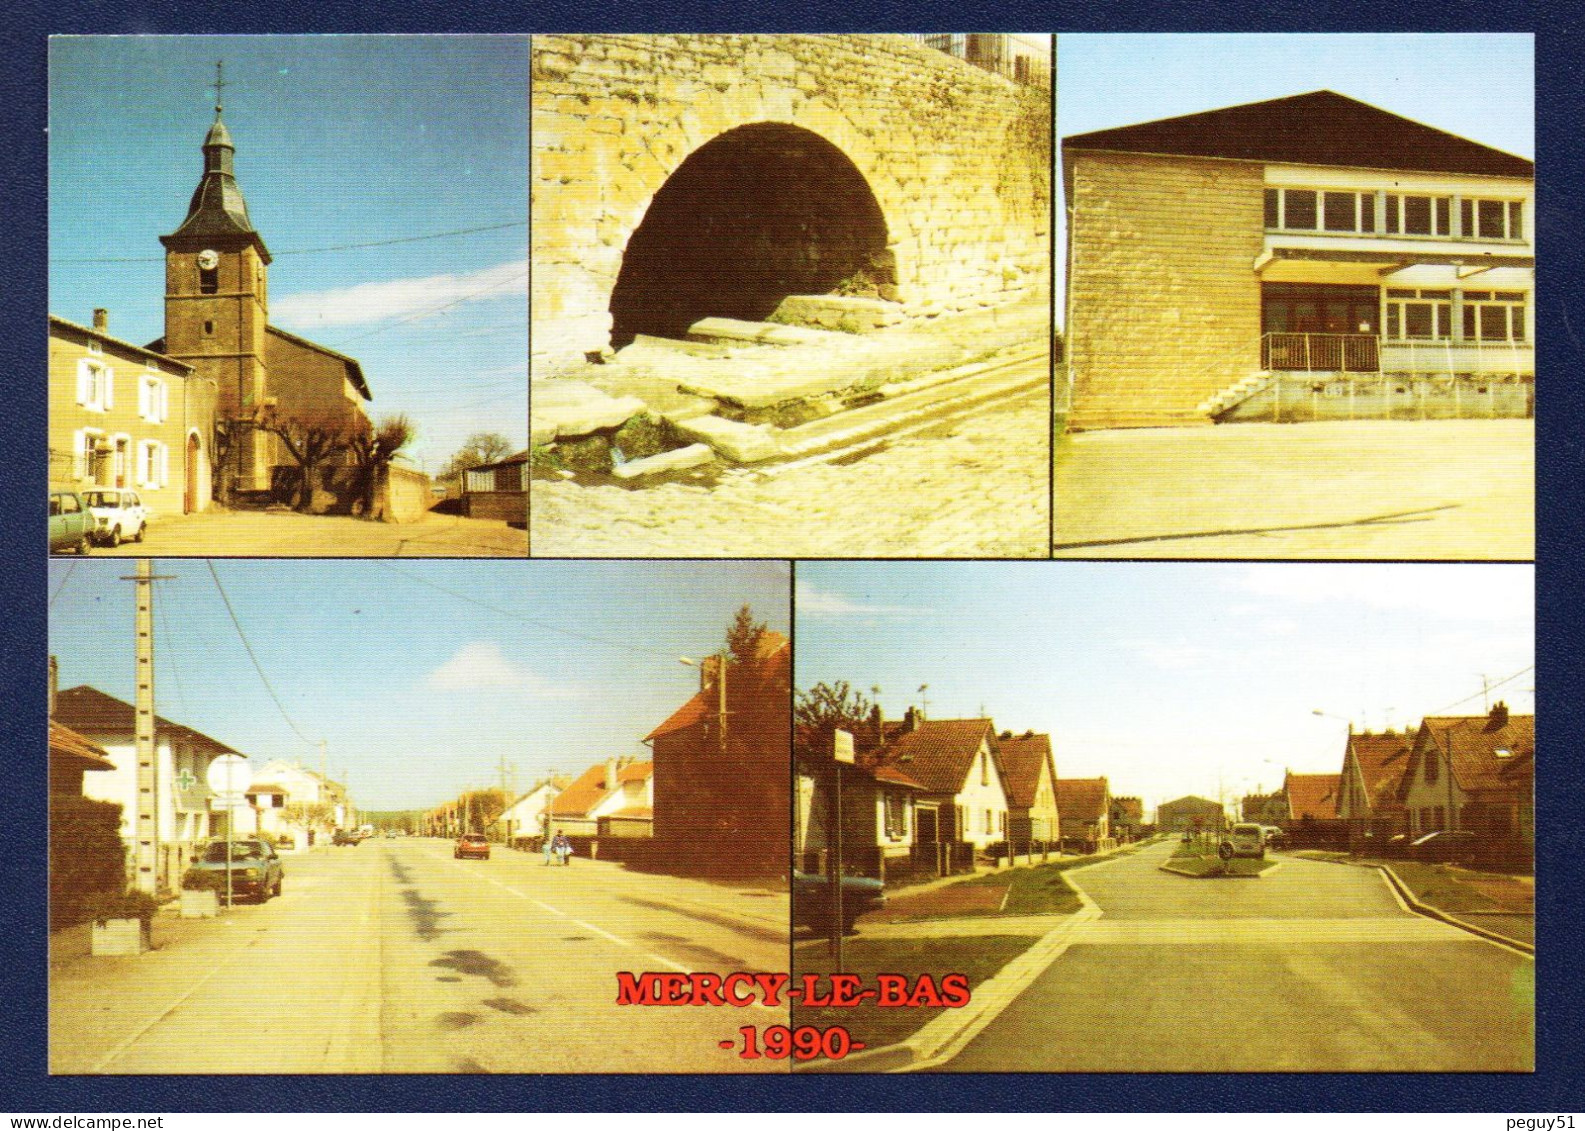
<point x="208" y="259"/>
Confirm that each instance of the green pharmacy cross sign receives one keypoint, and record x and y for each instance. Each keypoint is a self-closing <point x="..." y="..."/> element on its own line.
<point x="186" y="780"/>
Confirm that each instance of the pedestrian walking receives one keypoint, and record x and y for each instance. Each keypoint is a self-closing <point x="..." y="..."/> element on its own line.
<point x="564" y="849"/>
<point x="549" y="846"/>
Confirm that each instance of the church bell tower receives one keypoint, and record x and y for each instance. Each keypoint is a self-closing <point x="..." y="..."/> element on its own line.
<point x="216" y="297"/>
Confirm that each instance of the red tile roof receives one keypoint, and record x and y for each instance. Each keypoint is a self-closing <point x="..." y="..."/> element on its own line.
<point x="1383" y="760"/>
<point x="1081" y="799"/>
<point x="589" y="790"/>
<point x="91" y="711"/>
<point x="891" y="775"/>
<point x="940" y="752"/>
<point x="67" y="743"/>
<point x="1312" y="795"/>
<point x="694" y="711"/>
<point x="1021" y="760"/>
<point x="1472" y="743"/>
<point x="773" y="659"/>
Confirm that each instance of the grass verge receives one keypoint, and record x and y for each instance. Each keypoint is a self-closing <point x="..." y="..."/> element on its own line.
<point x="977" y="957"/>
<point x="1040" y="890"/>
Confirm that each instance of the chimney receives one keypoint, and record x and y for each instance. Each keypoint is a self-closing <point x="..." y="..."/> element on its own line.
<point x="911" y="720"/>
<point x="878" y="725"/>
<point x="610" y="775"/>
<point x="1499" y="716"/>
<point x="101" y="320"/>
<point x="55" y="678"/>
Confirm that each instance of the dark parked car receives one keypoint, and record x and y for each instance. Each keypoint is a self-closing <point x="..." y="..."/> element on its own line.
<point x="70" y="522"/>
<point x="811" y="900"/>
<point x="345" y="836"/>
<point x="471" y="846"/>
<point x="255" y="868"/>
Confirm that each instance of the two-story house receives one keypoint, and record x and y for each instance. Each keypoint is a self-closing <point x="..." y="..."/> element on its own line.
<point x="1367" y="792"/>
<point x="1033" y="814"/>
<point x="125" y="416"/>
<point x="1086" y="805"/>
<point x="611" y="798"/>
<point x="1473" y="773"/>
<point x="1304" y="258"/>
<point x="958" y="763"/>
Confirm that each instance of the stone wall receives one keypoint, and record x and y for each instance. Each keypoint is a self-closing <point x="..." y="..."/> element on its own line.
<point x="957" y="160"/>
<point x="1164" y="304"/>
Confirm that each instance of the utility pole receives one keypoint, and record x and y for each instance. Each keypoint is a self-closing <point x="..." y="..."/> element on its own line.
<point x="146" y="821"/>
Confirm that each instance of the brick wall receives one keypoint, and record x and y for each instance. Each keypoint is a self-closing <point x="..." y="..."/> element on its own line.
<point x="958" y="159"/>
<point x="1164" y="305"/>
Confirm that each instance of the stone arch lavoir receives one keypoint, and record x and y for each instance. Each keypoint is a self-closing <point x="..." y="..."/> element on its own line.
<point x="758" y="213"/>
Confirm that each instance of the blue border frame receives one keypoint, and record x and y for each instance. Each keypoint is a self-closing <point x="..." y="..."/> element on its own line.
<point x="1554" y="1086"/>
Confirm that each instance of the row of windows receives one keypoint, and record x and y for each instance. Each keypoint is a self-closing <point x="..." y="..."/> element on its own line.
<point x="1427" y="315"/>
<point x="118" y="462"/>
<point x="1350" y="211"/>
<point x="96" y="391"/>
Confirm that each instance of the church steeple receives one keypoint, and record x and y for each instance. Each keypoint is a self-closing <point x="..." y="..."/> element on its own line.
<point x="217" y="207"/>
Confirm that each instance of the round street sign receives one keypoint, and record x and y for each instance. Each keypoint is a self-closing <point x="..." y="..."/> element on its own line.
<point x="229" y="773"/>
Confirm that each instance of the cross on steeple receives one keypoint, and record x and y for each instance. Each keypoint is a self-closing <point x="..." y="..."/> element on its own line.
<point x="220" y="84"/>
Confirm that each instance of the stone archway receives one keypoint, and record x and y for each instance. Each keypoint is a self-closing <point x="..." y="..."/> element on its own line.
<point x="758" y="213"/>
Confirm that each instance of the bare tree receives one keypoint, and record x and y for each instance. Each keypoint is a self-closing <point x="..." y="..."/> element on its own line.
<point x="310" y="441"/>
<point x="479" y="449"/>
<point x="373" y="447"/>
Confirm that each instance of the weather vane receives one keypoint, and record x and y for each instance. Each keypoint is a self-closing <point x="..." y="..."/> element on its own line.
<point x="220" y="83"/>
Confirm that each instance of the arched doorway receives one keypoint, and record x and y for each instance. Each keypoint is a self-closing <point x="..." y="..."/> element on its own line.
<point x="752" y="216"/>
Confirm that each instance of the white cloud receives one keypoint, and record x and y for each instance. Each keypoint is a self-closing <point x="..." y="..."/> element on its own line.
<point x="1503" y="594"/>
<point x="398" y="298"/>
<point x="482" y="666"/>
<point x="814" y="603"/>
<point x="1174" y="657"/>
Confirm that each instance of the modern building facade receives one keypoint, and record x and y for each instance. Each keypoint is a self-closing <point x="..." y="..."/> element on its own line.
<point x="1305" y="258"/>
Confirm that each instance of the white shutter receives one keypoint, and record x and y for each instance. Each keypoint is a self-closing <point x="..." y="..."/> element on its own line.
<point x="165" y="402"/>
<point x="165" y="464"/>
<point x="144" y="410"/>
<point x="85" y="383"/>
<point x="110" y="387"/>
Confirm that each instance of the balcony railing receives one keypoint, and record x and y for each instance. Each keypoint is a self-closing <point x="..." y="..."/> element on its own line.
<point x="1366" y="353"/>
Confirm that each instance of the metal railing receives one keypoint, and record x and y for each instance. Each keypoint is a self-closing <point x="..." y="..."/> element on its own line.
<point x="1366" y="353"/>
<point x="997" y="53"/>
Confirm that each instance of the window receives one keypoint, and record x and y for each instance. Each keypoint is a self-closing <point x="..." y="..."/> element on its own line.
<point x="1432" y="770"/>
<point x="1494" y="316"/>
<point x="985" y="768"/>
<point x="1419" y="315"/>
<point x="95" y="385"/>
<point x="153" y="463"/>
<point x="989" y="822"/>
<point x="896" y="815"/>
<point x="1492" y="219"/>
<point x="1310" y="210"/>
<point x="153" y="398"/>
<point x="85" y="452"/>
<point x="1419" y="215"/>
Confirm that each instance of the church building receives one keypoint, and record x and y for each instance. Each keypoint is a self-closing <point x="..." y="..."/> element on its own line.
<point x="217" y="324"/>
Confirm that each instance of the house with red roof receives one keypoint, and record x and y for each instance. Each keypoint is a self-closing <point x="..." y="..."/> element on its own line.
<point x="1367" y="799"/>
<point x="879" y="808"/>
<point x="1086" y="807"/>
<point x="614" y="798"/>
<point x="1301" y="258"/>
<point x="1474" y="773"/>
<point x="1033" y="814"/>
<point x="722" y="766"/>
<point x="1127" y="819"/>
<point x="1312" y="809"/>
<point x="958" y="764"/>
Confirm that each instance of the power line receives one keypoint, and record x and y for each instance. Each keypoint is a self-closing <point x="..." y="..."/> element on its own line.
<point x="1490" y="687"/>
<point x="249" y="648"/>
<point x="72" y="568"/>
<point x="325" y="250"/>
<point x="626" y="646"/>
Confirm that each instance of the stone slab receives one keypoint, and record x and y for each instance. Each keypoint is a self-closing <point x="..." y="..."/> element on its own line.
<point x="572" y="408"/>
<point x="847" y="362"/>
<point x="691" y="456"/>
<point x="738" y="442"/>
<point x="760" y="333"/>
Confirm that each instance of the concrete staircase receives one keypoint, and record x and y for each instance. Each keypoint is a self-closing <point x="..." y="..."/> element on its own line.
<point x="1235" y="394"/>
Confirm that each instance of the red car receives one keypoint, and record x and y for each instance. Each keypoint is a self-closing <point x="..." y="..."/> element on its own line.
<point x="471" y="845"/>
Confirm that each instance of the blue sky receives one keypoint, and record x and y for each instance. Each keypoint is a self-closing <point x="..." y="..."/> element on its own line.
<point x="1172" y="678"/>
<point x="1480" y="86"/>
<point x="417" y="691"/>
<point x="340" y="140"/>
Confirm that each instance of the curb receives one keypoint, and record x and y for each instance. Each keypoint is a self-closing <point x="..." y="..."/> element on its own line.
<point x="1260" y="875"/>
<point x="1406" y="897"/>
<point x="944" y="1036"/>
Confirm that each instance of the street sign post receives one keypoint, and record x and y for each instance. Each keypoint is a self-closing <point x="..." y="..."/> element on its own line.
<point x="229" y="776"/>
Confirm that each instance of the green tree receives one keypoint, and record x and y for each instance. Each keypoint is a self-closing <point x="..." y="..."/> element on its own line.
<point x="826" y="708"/>
<point x="742" y="638"/>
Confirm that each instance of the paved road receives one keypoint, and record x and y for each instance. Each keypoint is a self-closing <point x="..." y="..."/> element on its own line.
<point x="1382" y="489"/>
<point x="393" y="957"/>
<point x="1314" y="967"/>
<point x="978" y="487"/>
<point x="284" y="534"/>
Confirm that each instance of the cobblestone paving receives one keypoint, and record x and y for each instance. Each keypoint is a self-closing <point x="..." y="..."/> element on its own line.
<point x="979" y="487"/>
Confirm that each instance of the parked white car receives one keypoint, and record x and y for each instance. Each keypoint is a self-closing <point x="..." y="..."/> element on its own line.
<point x="118" y="515"/>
